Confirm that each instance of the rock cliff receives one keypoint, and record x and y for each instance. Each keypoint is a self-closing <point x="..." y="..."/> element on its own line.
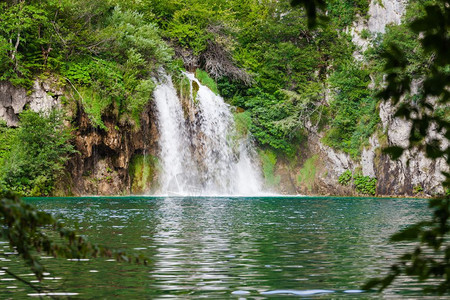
<point x="105" y="156"/>
<point x="43" y="97"/>
<point x="412" y="175"/>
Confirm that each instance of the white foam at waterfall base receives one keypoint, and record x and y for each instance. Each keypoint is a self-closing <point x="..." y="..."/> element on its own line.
<point x="201" y="157"/>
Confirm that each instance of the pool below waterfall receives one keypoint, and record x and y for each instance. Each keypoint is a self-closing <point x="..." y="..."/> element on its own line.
<point x="226" y="247"/>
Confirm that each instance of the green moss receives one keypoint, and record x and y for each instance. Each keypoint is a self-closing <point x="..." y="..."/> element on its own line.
<point x="308" y="172"/>
<point x="142" y="171"/>
<point x="204" y="79"/>
<point x="182" y="84"/>
<point x="269" y="160"/>
<point x="242" y="121"/>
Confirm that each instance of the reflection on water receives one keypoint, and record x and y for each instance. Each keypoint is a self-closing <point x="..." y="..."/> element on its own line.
<point x="227" y="247"/>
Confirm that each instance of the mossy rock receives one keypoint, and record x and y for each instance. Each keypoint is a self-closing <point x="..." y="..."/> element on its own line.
<point x="307" y="174"/>
<point x="142" y="173"/>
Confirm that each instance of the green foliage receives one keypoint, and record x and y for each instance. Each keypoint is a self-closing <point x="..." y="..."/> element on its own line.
<point x="21" y="42"/>
<point x="365" y="185"/>
<point x="263" y="126"/>
<point x="269" y="160"/>
<point x="365" y="34"/>
<point x="109" y="52"/>
<point x="417" y="189"/>
<point x="38" y="153"/>
<point x="343" y="13"/>
<point x="345" y="178"/>
<point x="204" y="79"/>
<point x="7" y="137"/>
<point x="188" y="27"/>
<point x="78" y="73"/>
<point x="132" y="32"/>
<point x="308" y="172"/>
<point x="354" y="109"/>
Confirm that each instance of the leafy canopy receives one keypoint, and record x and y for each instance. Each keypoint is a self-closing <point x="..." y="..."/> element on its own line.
<point x="39" y="149"/>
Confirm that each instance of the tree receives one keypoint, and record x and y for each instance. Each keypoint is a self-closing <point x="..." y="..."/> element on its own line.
<point x="20" y="24"/>
<point x="40" y="148"/>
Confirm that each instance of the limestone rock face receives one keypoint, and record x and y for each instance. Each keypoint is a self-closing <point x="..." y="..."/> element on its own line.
<point x="403" y="177"/>
<point x="381" y="13"/>
<point x="43" y="97"/>
<point x="12" y="101"/>
<point x="413" y="169"/>
<point x="102" y="165"/>
<point x="368" y="156"/>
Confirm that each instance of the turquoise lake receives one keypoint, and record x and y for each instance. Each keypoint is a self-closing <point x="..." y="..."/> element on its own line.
<point x="225" y="247"/>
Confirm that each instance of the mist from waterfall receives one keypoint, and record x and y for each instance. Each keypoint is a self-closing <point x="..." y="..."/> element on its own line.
<point x="200" y="151"/>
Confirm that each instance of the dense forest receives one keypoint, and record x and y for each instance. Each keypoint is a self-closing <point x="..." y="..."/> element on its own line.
<point x="284" y="77"/>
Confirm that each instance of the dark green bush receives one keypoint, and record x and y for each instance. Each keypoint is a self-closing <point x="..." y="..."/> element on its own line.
<point x="40" y="148"/>
<point x="346" y="178"/>
<point x="353" y="109"/>
<point x="365" y="185"/>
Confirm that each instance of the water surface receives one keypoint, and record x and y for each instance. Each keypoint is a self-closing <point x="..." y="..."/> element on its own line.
<point x="227" y="247"/>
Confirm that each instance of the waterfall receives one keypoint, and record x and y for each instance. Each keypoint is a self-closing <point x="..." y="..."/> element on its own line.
<point x="200" y="152"/>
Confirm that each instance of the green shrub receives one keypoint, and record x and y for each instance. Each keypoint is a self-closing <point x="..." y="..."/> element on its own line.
<point x="365" y="185"/>
<point x="343" y="12"/>
<point x="38" y="153"/>
<point x="354" y="109"/>
<point x="346" y="178"/>
<point x="7" y="135"/>
<point x="365" y="34"/>
<point x="78" y="72"/>
<point x="417" y="189"/>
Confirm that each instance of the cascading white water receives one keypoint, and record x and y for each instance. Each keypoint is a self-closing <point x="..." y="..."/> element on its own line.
<point x="202" y="156"/>
<point x="174" y="158"/>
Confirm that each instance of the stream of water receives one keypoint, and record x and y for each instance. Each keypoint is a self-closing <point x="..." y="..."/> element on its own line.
<point x="200" y="152"/>
<point x="227" y="247"/>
